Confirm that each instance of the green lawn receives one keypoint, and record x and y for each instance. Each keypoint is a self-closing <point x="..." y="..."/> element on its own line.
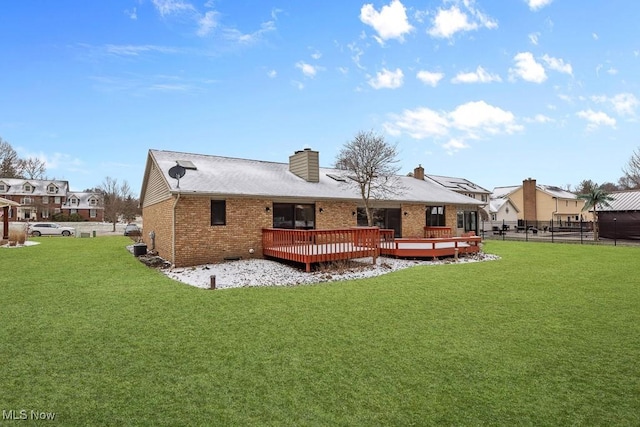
<point x="548" y="335"/>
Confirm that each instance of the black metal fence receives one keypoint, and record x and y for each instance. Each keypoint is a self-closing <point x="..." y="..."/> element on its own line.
<point x="553" y="231"/>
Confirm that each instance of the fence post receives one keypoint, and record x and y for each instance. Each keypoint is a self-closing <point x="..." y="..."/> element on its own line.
<point x="581" y="230"/>
<point x="526" y="231"/>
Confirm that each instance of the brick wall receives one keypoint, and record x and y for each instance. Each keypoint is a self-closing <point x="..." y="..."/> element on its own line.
<point x="451" y="217"/>
<point x="158" y="218"/>
<point x="198" y="242"/>
<point x="529" y="200"/>
<point x="335" y="215"/>
<point x="414" y="221"/>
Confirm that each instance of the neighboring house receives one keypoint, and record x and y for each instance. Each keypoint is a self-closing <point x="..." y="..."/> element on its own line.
<point x="39" y="199"/>
<point x="219" y="207"/>
<point x="542" y="205"/>
<point x="87" y="206"/>
<point x="45" y="200"/>
<point x="621" y="219"/>
<point x="502" y="212"/>
<point x="466" y="220"/>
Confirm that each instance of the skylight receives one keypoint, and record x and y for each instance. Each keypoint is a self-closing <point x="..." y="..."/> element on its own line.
<point x="336" y="177"/>
<point x="187" y="164"/>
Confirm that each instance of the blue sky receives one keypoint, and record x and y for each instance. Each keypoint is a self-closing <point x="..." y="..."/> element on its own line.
<point x="493" y="91"/>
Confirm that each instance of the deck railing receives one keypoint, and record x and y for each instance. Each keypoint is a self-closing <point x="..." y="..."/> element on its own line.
<point x="437" y="232"/>
<point x="313" y="246"/>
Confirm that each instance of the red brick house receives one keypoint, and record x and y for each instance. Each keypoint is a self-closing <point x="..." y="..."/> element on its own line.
<point x="44" y="200"/>
<point x="87" y="206"/>
<point x="218" y="209"/>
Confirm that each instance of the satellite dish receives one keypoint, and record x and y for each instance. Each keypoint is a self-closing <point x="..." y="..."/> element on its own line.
<point x="177" y="172"/>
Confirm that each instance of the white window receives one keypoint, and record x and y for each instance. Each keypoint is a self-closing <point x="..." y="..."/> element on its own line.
<point x="45" y="200"/>
<point x="26" y="200"/>
<point x="52" y="189"/>
<point x="93" y="213"/>
<point x="28" y="188"/>
<point x="74" y="211"/>
<point x="3" y="188"/>
<point x="93" y="202"/>
<point x="56" y="200"/>
<point x="45" y="213"/>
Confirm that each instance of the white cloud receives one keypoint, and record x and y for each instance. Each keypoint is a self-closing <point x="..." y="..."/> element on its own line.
<point x="272" y="74"/>
<point x="135" y="50"/>
<point x="478" y="76"/>
<point x="307" y="69"/>
<point x="540" y="118"/>
<point x="249" y="38"/>
<point x="612" y="71"/>
<point x="595" y="36"/>
<point x="390" y="23"/>
<point x="387" y="79"/>
<point x="170" y="7"/>
<point x="420" y="123"/>
<point x="481" y="117"/>
<point x="527" y="68"/>
<point x="558" y="64"/>
<point x="469" y="121"/>
<point x="454" y="145"/>
<point x="533" y="38"/>
<point x="132" y="14"/>
<point x="595" y="119"/>
<point x="624" y="104"/>
<point x="430" y="78"/>
<point x="207" y="23"/>
<point x="538" y="4"/>
<point x="448" y="22"/>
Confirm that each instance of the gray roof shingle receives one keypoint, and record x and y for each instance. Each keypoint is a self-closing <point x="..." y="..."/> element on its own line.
<point x="216" y="175"/>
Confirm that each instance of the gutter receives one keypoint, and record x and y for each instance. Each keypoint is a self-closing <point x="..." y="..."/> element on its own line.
<point x="173" y="231"/>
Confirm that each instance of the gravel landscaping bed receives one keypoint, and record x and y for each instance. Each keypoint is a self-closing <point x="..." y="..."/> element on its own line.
<point x="260" y="272"/>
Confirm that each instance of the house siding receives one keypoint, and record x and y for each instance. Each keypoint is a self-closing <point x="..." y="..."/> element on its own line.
<point x="156" y="189"/>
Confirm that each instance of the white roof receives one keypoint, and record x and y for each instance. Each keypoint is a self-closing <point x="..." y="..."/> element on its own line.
<point x="226" y="176"/>
<point x="623" y="201"/>
<point x="16" y="186"/>
<point x="501" y="192"/>
<point x="457" y="184"/>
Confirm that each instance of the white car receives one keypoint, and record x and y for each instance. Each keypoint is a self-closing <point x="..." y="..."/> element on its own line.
<point x="50" y="229"/>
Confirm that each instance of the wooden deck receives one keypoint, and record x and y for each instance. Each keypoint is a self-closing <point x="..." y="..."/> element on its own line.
<point x="314" y="246"/>
<point x="428" y="247"/>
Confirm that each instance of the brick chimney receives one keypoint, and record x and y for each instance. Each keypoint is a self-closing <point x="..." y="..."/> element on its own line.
<point x="529" y="200"/>
<point x="306" y="165"/>
<point x="418" y="173"/>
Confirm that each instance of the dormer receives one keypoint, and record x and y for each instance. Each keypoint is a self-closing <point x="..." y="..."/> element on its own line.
<point x="52" y="188"/>
<point x="28" y="187"/>
<point x="73" y="200"/>
<point x="4" y="187"/>
<point x="93" y="200"/>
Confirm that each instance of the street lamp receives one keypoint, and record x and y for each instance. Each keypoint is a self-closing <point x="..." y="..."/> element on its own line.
<point x="615" y="232"/>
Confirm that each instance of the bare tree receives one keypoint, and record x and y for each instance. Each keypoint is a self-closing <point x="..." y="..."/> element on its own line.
<point x="114" y="197"/>
<point x="631" y="178"/>
<point x="33" y="168"/>
<point x="371" y="167"/>
<point x="10" y="163"/>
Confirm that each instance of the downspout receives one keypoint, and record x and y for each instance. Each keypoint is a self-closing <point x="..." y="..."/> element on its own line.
<point x="173" y="232"/>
